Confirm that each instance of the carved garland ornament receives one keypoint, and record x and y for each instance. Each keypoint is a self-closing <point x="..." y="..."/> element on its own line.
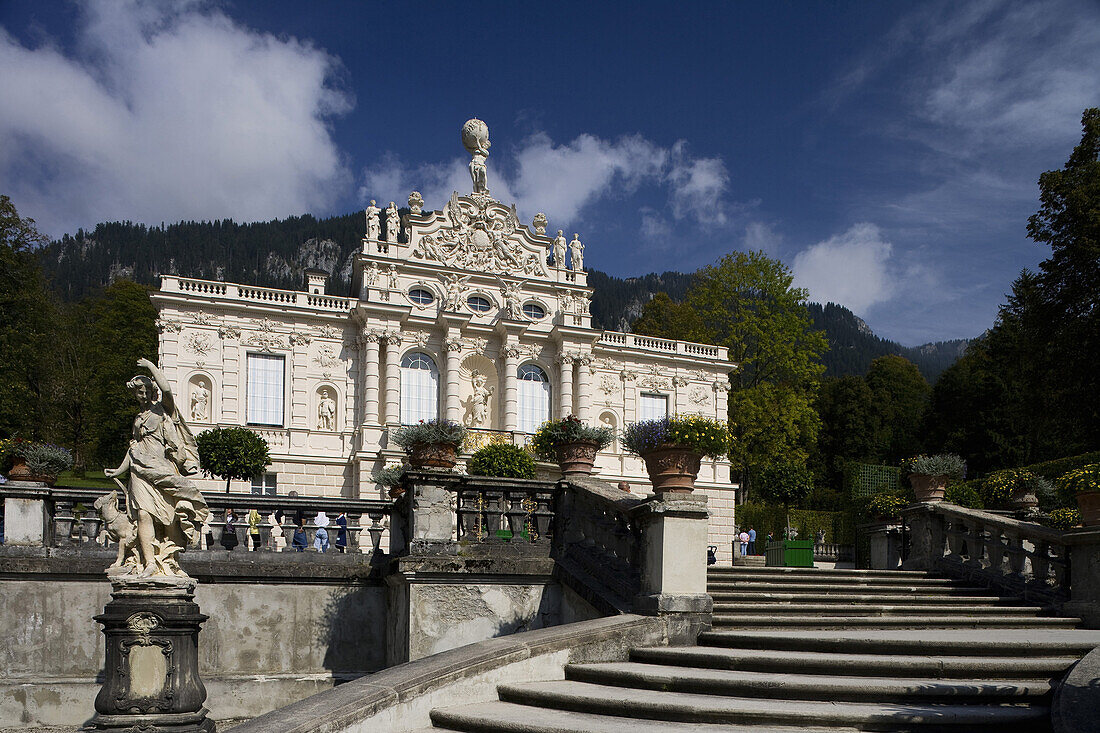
<point x="479" y="234"/>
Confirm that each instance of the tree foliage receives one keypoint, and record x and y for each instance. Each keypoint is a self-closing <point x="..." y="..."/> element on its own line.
<point x="232" y="453"/>
<point x="26" y="322"/>
<point x="899" y="397"/>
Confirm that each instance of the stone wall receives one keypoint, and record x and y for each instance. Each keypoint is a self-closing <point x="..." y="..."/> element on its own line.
<point x="281" y="627"/>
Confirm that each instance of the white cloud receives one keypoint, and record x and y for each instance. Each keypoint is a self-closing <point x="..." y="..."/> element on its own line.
<point x="853" y="269"/>
<point x="564" y="180"/>
<point x="167" y="111"/>
<point x="762" y="237"/>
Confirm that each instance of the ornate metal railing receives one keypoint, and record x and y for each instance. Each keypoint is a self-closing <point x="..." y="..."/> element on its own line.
<point x="486" y="514"/>
<point x="1014" y="556"/>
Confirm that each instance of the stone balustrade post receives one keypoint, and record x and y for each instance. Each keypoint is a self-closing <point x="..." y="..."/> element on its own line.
<point x="429" y="516"/>
<point x="673" y="554"/>
<point x="921" y="520"/>
<point x="1083" y="547"/>
<point x="25" y="513"/>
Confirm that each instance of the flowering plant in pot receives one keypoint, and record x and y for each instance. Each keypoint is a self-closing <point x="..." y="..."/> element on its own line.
<point x="571" y="443"/>
<point x="673" y="447"/>
<point x="431" y="443"/>
<point x="390" y="478"/>
<point x="929" y="474"/>
<point x="1084" y="483"/>
<point x="26" y="460"/>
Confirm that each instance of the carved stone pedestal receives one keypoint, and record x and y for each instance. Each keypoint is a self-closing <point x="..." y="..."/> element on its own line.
<point x="151" y="676"/>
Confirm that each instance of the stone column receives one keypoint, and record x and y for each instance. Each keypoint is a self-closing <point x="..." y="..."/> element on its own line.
<point x="565" y="385"/>
<point x="452" y="346"/>
<point x="392" y="414"/>
<point x="510" y="352"/>
<point x="583" y="400"/>
<point x="368" y="351"/>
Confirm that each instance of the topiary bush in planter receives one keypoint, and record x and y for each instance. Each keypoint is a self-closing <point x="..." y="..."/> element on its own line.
<point x="504" y="461"/>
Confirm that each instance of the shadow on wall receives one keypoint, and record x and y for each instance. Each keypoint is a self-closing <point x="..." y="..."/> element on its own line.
<point x="352" y="632"/>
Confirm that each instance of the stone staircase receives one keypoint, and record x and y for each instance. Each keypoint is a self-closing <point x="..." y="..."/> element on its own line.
<point x="815" y="650"/>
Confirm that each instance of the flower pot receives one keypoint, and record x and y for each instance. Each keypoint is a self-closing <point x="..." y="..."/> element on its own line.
<point x="433" y="455"/>
<point x="1023" y="498"/>
<point x="576" y="459"/>
<point x="20" y="472"/>
<point x="672" y="469"/>
<point x="1089" y="504"/>
<point x="928" y="488"/>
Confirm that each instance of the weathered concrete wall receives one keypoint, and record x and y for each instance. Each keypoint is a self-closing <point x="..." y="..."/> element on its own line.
<point x="276" y="633"/>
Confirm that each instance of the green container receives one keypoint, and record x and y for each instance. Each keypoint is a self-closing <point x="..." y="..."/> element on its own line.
<point x="789" y="554"/>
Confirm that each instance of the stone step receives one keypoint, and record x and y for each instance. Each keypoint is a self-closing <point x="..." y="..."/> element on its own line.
<point x="754" y="597"/>
<point x="505" y="717"/>
<point x="946" y="642"/>
<point x="748" y="561"/>
<point x="825" y="663"/>
<point x="729" y="610"/>
<point x="826" y="687"/>
<point x="774" y="572"/>
<point x="840" y="586"/>
<point x="895" y="622"/>
<point x="695" y="708"/>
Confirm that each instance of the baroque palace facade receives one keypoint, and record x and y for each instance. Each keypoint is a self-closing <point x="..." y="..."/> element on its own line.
<point x="463" y="313"/>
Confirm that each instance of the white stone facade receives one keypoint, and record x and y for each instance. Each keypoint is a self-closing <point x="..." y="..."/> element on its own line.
<point x="481" y="298"/>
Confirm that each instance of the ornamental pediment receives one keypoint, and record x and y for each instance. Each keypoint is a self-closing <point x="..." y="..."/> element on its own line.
<point x="479" y="234"/>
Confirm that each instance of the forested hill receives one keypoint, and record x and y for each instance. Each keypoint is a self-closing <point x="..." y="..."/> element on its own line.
<point x="852" y="345"/>
<point x="276" y="254"/>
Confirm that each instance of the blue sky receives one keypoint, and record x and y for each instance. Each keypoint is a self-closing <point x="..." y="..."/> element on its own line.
<point x="887" y="152"/>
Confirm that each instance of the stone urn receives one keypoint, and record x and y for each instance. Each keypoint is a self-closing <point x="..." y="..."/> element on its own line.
<point x="928" y="488"/>
<point x="20" y="472"/>
<point x="673" y="468"/>
<point x="1023" y="498"/>
<point x="576" y="459"/>
<point x="433" y="455"/>
<point x="1088" y="502"/>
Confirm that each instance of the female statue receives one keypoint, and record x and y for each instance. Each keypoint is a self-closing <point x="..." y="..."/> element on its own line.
<point x="160" y="498"/>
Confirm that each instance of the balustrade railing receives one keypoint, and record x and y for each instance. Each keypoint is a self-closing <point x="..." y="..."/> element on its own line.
<point x="1014" y="556"/>
<point x="71" y="520"/>
<point x="487" y="515"/>
<point x="601" y="537"/>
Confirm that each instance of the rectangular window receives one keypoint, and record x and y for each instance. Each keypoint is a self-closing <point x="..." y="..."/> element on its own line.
<point x="264" y="484"/>
<point x="265" y="389"/>
<point x="653" y="407"/>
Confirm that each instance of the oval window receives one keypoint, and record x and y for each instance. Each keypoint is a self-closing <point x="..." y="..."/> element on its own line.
<point x="421" y="296"/>
<point x="534" y="311"/>
<point x="478" y="304"/>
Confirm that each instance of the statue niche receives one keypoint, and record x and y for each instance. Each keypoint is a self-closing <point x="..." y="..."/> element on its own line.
<point x="478" y="380"/>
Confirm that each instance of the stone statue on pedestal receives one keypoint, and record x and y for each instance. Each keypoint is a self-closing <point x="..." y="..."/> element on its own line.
<point x="393" y="223"/>
<point x="559" y="250"/>
<point x="161" y="500"/>
<point x="475" y="138"/>
<point x="374" y="225"/>
<point x="576" y="253"/>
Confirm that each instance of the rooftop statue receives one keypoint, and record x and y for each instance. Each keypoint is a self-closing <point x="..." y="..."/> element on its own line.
<point x="475" y="138"/>
<point x="162" y="503"/>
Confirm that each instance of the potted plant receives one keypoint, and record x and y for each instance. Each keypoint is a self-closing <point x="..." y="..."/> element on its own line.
<point x="571" y="443"/>
<point x="1013" y="487"/>
<point x="25" y="460"/>
<point x="885" y="507"/>
<point x="431" y="443"/>
<point x="672" y="448"/>
<point x="390" y="478"/>
<point x="502" y="461"/>
<point x="929" y="474"/>
<point x="1084" y="483"/>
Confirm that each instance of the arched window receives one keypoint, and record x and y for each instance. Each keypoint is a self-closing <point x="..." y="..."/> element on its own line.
<point x="534" y="398"/>
<point x="419" y="388"/>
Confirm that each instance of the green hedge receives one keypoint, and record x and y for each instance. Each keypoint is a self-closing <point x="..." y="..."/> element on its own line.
<point x="765" y="518"/>
<point x="1053" y="469"/>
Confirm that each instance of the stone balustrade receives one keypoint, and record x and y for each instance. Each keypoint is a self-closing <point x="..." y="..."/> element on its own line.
<point x="38" y="515"/>
<point x="1021" y="558"/>
<point x="256" y="294"/>
<point x="665" y="346"/>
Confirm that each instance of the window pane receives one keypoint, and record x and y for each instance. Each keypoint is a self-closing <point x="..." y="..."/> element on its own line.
<point x="265" y="389"/>
<point x="653" y="407"/>
<point x="420" y="297"/>
<point x="419" y="388"/>
<point x="534" y="398"/>
<point x="478" y="304"/>
<point x="533" y="311"/>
